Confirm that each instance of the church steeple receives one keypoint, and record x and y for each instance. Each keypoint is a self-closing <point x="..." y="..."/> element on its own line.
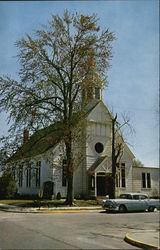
<point x="98" y="93"/>
<point x="92" y="87"/>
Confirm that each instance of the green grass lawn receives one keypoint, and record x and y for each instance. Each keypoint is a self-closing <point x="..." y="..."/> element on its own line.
<point x="47" y="203"/>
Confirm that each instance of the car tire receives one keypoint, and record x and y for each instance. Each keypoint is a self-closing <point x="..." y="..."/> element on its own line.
<point x="122" y="209"/>
<point x="151" y="209"/>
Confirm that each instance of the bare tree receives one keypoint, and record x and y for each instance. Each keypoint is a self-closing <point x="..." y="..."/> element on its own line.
<point x="118" y="144"/>
<point x="55" y="65"/>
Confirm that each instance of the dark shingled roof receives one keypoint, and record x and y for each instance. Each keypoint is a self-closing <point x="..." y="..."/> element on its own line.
<point x="91" y="105"/>
<point x="44" y="139"/>
<point x="39" y="142"/>
<point x="96" y="164"/>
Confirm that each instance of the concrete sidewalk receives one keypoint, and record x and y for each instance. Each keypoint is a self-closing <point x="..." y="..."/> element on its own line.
<point x="145" y="239"/>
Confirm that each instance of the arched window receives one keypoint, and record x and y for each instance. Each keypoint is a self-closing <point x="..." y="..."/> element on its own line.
<point x="28" y="175"/>
<point x="20" y="176"/>
<point x="38" y="173"/>
<point x="97" y="93"/>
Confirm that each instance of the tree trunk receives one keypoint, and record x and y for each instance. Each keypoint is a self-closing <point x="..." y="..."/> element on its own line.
<point x="69" y="198"/>
<point x="112" y="190"/>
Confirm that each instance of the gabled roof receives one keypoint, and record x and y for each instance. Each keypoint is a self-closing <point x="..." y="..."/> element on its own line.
<point x="111" y="117"/>
<point x="96" y="164"/>
<point x="104" y="107"/>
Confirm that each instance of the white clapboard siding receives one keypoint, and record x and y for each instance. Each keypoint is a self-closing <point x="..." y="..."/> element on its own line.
<point x="137" y="180"/>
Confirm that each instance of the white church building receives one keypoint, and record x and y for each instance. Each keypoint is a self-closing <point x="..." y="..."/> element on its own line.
<point x="41" y="160"/>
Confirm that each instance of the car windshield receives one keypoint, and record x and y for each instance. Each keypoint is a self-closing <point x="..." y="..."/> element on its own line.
<point x="126" y="196"/>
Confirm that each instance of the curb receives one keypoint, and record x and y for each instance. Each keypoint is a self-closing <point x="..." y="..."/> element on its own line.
<point x="140" y="244"/>
<point x="50" y="210"/>
<point x="17" y="211"/>
<point x="63" y="211"/>
<point x="45" y="212"/>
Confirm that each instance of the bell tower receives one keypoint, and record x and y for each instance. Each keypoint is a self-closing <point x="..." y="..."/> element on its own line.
<point x="98" y="93"/>
<point x="92" y="84"/>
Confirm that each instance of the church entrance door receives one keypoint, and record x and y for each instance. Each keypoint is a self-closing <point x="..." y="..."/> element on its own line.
<point x="101" y="185"/>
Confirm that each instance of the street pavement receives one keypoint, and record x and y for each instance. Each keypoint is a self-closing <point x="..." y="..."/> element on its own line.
<point x="146" y="238"/>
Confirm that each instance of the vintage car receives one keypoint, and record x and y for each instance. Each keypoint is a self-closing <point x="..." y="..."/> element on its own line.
<point x="131" y="202"/>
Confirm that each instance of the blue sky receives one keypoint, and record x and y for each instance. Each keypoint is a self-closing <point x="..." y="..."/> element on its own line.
<point x="134" y="75"/>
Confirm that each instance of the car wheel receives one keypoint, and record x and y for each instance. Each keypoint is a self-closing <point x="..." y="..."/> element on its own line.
<point x="151" y="209"/>
<point x="122" y="209"/>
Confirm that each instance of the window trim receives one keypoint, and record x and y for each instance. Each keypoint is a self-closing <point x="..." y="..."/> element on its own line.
<point x="146" y="183"/>
<point x="120" y="180"/>
<point x="38" y="174"/>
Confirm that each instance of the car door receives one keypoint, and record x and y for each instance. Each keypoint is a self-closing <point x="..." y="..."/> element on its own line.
<point x="136" y="203"/>
<point x="140" y="202"/>
<point x="143" y="202"/>
<point x="126" y="200"/>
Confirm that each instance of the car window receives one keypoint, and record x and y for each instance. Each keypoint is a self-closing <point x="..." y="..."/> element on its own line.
<point x="126" y="196"/>
<point x="122" y="196"/>
<point x="135" y="197"/>
<point x="143" y="197"/>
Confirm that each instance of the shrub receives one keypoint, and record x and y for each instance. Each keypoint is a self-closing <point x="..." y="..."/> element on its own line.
<point x="81" y="196"/>
<point x="26" y="196"/>
<point x="58" y="196"/>
<point x="7" y="186"/>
